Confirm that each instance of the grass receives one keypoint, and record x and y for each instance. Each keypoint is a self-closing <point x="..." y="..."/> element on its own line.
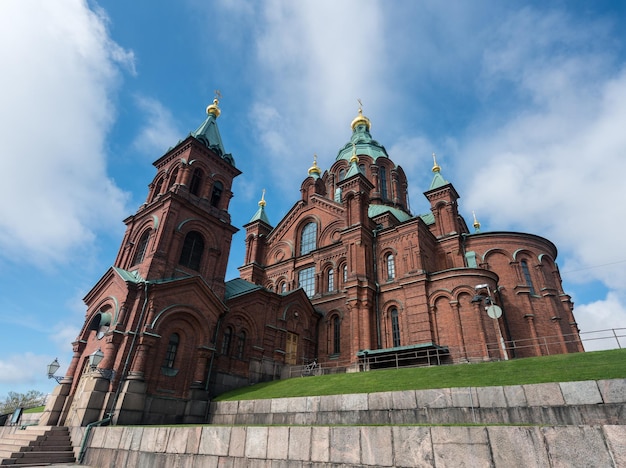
<point x="596" y="365"/>
<point x="36" y="409"/>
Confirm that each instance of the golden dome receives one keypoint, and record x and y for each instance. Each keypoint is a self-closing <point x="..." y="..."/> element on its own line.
<point x="314" y="169"/>
<point x="436" y="167"/>
<point x="213" y="109"/>
<point x="262" y="200"/>
<point x="361" y="120"/>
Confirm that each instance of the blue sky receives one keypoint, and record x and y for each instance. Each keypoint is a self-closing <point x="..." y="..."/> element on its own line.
<point x="523" y="102"/>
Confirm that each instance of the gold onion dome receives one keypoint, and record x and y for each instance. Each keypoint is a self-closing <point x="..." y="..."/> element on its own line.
<point x="436" y="167"/>
<point x="476" y="223"/>
<point x="361" y="120"/>
<point x="314" y="170"/>
<point x="213" y="109"/>
<point x="262" y="200"/>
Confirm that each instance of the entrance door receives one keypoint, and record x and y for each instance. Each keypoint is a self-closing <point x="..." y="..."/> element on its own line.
<point x="292" y="349"/>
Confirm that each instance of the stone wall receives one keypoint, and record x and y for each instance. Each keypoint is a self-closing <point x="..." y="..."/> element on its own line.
<point x="588" y="402"/>
<point x="352" y="446"/>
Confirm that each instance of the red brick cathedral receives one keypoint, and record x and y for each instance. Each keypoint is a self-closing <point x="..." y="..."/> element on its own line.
<point x="348" y="278"/>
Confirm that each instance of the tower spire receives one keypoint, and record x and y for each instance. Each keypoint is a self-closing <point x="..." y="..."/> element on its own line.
<point x="314" y="170"/>
<point x="476" y="223"/>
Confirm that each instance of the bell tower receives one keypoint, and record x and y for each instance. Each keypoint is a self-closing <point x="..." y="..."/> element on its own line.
<point x="184" y="227"/>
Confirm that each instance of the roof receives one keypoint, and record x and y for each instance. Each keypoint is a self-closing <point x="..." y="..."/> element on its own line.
<point x="260" y="215"/>
<point x="209" y="135"/>
<point x="237" y="287"/>
<point x="129" y="276"/>
<point x="362" y="142"/>
<point x="376" y="210"/>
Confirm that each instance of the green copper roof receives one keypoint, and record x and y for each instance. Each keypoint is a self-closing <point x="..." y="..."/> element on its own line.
<point x="209" y="135"/>
<point x="375" y="210"/>
<point x="428" y="218"/>
<point x="365" y="144"/>
<point x="238" y="286"/>
<point x="260" y="215"/>
<point x="130" y="276"/>
<point x="438" y="181"/>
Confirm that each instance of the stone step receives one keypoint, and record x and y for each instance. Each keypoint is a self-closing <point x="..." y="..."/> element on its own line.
<point x="22" y="458"/>
<point x="37" y="446"/>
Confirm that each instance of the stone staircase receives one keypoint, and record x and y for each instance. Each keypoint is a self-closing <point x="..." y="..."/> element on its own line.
<point x="37" y="446"/>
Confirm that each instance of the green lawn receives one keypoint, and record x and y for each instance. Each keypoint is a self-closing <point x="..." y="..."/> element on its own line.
<point x="594" y="365"/>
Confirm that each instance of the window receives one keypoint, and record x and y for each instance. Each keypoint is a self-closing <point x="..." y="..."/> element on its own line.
<point x="345" y="273"/>
<point x="527" y="278"/>
<point x="158" y="187"/>
<point x="241" y="342"/>
<point x="382" y="173"/>
<point x="306" y="280"/>
<point x="228" y="334"/>
<point x="362" y="168"/>
<point x="283" y="287"/>
<point x="391" y="267"/>
<point x="336" y="335"/>
<point x="173" y="178"/>
<point x="308" y="238"/>
<point x="395" y="327"/>
<point x="342" y="174"/>
<point x="192" y="250"/>
<point x="170" y="353"/>
<point x="141" y="247"/>
<point x="196" y="181"/>
<point x="331" y="280"/>
<point x="216" y="194"/>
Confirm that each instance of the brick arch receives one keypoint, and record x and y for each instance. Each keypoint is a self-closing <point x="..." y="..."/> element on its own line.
<point x="524" y="252"/>
<point x="107" y="305"/>
<point x="330" y="234"/>
<point x="196" y="224"/>
<point x="281" y="251"/>
<point x="494" y="251"/>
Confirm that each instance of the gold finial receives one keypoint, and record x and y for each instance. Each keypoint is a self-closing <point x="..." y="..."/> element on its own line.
<point x="360" y="119"/>
<point x="436" y="167"/>
<point x="354" y="158"/>
<point x="314" y="170"/>
<point x="213" y="108"/>
<point x="262" y="201"/>
<point x="476" y="223"/>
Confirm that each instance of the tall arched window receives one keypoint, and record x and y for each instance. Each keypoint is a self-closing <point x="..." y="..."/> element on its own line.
<point x="141" y="247"/>
<point x="382" y="175"/>
<point x="331" y="280"/>
<point x="527" y="278"/>
<point x="336" y="335"/>
<point x="228" y="335"/>
<point x="196" y="181"/>
<point x="395" y="327"/>
<point x="216" y="194"/>
<point x="342" y="174"/>
<point x="344" y="273"/>
<point x="170" y="353"/>
<point x="308" y="238"/>
<point x="192" y="250"/>
<point x="241" y="343"/>
<point x="306" y="280"/>
<point x="157" y="188"/>
<point x="173" y="178"/>
<point x="391" y="267"/>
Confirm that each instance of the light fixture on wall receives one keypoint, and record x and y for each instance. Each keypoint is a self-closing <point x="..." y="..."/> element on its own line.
<point x="52" y="368"/>
<point x="493" y="310"/>
<point x="94" y="359"/>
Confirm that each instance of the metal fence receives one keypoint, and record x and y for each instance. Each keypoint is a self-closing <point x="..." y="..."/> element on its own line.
<point x="610" y="338"/>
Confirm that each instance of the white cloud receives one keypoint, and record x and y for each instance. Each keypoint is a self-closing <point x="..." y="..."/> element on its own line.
<point x="159" y="131"/>
<point x="59" y="69"/>
<point x="608" y="315"/>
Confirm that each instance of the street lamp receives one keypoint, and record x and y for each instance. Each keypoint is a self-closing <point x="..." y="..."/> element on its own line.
<point x="493" y="311"/>
<point x="52" y="368"/>
<point x="94" y="359"/>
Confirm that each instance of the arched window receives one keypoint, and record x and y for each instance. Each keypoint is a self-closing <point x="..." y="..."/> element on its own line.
<point x="382" y="174"/>
<point x="141" y="247"/>
<point x="308" y="238"/>
<point x="306" y="280"/>
<point x="344" y="273"/>
<point x="527" y="278"/>
<point x="282" y="287"/>
<point x="216" y="194"/>
<point x="157" y="188"/>
<point x="228" y="335"/>
<point x="336" y="335"/>
<point x="362" y="168"/>
<point x="331" y="280"/>
<point x="241" y="343"/>
<point x="170" y="353"/>
<point x="342" y="174"/>
<point x="173" y="178"/>
<point x="192" y="251"/>
<point x="196" y="181"/>
<point x="391" y="267"/>
<point x="395" y="327"/>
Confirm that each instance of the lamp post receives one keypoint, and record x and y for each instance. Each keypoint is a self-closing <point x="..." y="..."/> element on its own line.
<point x="493" y="311"/>
<point x="94" y="359"/>
<point x="52" y="368"/>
